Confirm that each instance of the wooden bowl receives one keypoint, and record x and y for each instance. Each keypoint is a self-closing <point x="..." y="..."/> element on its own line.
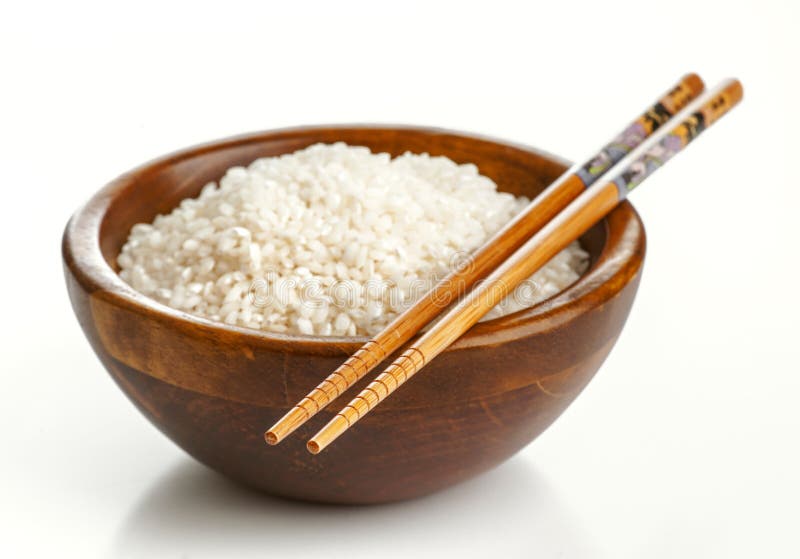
<point x="214" y="389"/>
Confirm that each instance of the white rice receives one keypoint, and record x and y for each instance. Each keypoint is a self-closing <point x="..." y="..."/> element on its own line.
<point x="330" y="240"/>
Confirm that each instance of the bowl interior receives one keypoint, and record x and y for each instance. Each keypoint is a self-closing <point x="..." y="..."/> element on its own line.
<point x="160" y="186"/>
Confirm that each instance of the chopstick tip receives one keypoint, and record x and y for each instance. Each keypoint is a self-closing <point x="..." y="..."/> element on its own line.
<point x="313" y="447"/>
<point x="286" y="425"/>
<point x="327" y="434"/>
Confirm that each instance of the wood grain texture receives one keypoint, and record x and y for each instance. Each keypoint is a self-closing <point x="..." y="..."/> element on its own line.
<point x="212" y="388"/>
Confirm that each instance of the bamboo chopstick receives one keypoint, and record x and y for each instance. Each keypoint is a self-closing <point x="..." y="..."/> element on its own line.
<point x="565" y="189"/>
<point x="586" y="210"/>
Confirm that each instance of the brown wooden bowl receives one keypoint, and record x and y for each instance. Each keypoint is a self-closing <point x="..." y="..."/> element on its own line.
<point x="214" y="388"/>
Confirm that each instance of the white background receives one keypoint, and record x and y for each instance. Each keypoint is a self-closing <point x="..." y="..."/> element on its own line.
<point x="684" y="445"/>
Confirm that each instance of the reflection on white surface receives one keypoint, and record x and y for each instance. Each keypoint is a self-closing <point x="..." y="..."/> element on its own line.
<point x="193" y="512"/>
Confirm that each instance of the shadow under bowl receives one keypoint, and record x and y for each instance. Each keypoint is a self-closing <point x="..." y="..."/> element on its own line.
<point x="213" y="388"/>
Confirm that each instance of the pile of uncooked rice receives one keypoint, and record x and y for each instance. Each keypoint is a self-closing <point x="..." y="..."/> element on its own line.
<point x="330" y="240"/>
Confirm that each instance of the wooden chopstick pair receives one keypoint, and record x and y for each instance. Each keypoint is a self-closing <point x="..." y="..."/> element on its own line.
<point x="543" y="208"/>
<point x="558" y="216"/>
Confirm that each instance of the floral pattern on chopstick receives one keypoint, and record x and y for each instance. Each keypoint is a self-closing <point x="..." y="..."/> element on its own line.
<point x="677" y="139"/>
<point x="638" y="131"/>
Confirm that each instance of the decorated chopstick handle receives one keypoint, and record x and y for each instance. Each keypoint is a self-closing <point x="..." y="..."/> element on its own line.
<point x="670" y="104"/>
<point x="720" y="102"/>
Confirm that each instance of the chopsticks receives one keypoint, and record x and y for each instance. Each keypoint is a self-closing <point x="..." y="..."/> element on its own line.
<point x="581" y="214"/>
<point x="496" y="250"/>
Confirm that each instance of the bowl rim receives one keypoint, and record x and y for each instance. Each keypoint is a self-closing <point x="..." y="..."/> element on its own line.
<point x="617" y="264"/>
